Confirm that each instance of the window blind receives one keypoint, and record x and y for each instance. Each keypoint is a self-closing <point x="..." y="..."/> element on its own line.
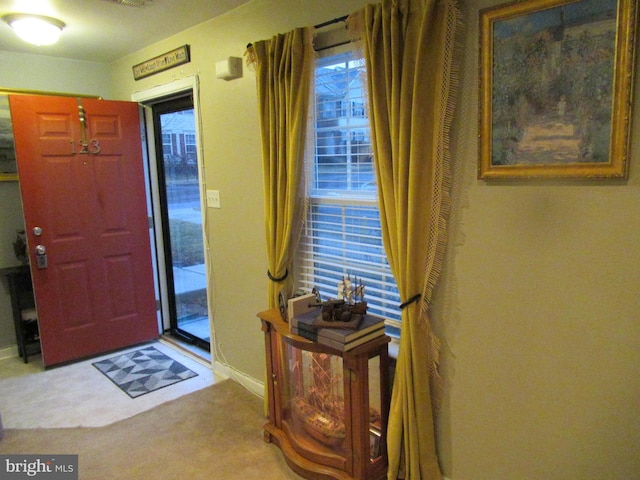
<point x="342" y="237"/>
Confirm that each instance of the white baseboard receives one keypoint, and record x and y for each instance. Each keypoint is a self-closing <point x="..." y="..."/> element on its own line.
<point x="8" y="352"/>
<point x="243" y="379"/>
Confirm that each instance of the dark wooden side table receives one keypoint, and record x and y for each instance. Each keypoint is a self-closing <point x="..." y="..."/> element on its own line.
<point x="21" y="292"/>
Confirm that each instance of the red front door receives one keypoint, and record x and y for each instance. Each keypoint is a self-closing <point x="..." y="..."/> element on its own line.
<point x="84" y="202"/>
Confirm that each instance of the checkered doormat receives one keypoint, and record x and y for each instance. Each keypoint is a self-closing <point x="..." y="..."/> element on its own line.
<point x="143" y="371"/>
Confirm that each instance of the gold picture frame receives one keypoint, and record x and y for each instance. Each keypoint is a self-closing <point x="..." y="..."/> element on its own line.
<point x="556" y="80"/>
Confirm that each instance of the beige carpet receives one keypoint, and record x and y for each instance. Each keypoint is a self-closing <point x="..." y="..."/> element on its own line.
<point x="214" y="433"/>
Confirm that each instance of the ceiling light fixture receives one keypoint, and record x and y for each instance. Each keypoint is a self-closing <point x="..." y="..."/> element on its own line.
<point x="35" y="29"/>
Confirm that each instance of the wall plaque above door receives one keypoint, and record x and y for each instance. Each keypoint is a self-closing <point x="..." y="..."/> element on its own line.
<point x="162" y="62"/>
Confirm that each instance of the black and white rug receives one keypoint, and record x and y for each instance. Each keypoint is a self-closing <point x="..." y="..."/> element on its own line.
<point x="143" y="371"/>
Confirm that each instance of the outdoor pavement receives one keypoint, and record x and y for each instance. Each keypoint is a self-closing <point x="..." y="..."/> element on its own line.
<point x="188" y="279"/>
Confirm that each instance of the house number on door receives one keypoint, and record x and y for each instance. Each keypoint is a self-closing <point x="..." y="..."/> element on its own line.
<point x="93" y="147"/>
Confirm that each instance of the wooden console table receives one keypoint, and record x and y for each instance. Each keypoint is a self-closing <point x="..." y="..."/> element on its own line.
<point x="21" y="292"/>
<point x="328" y="409"/>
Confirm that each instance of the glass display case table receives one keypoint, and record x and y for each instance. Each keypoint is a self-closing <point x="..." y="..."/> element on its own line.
<point x="328" y="409"/>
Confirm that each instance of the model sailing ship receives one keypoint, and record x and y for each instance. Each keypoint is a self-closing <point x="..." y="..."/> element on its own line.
<point x="320" y="409"/>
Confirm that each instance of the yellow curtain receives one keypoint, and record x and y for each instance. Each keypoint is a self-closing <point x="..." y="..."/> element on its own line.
<point x="409" y="52"/>
<point x="284" y="68"/>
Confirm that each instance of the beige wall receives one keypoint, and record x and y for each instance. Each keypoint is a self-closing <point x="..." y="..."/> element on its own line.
<point x="49" y="74"/>
<point x="539" y="315"/>
<point x="537" y="307"/>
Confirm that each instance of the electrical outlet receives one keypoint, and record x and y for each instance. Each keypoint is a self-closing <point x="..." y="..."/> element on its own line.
<point x="213" y="198"/>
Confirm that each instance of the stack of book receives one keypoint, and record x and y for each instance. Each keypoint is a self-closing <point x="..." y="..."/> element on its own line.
<point x="341" y="339"/>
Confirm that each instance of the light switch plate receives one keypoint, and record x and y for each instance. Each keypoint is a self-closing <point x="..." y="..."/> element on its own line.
<point x="213" y="198"/>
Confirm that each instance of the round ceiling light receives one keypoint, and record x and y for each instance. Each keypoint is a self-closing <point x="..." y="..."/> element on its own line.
<point x="35" y="29"/>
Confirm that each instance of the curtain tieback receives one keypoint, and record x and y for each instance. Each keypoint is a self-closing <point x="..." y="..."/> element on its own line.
<point x="278" y="279"/>
<point x="413" y="299"/>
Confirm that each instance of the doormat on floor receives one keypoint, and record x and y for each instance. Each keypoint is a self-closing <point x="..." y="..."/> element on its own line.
<point x="143" y="371"/>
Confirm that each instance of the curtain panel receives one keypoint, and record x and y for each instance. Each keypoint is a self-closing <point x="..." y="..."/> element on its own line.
<point x="284" y="69"/>
<point x="411" y="77"/>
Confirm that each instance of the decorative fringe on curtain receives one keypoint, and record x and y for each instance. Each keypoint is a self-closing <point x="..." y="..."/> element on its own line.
<point x="441" y="206"/>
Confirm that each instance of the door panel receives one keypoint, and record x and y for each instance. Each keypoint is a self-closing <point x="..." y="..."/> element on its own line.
<point x="96" y="293"/>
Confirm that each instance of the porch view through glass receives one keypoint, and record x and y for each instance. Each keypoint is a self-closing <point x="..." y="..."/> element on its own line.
<point x="182" y="220"/>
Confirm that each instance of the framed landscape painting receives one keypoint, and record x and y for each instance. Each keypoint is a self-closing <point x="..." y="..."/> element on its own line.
<point x="556" y="79"/>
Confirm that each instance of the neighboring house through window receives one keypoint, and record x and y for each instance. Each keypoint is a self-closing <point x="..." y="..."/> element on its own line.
<point x="179" y="146"/>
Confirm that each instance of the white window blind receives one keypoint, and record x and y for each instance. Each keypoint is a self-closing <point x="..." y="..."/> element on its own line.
<point x="342" y="236"/>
